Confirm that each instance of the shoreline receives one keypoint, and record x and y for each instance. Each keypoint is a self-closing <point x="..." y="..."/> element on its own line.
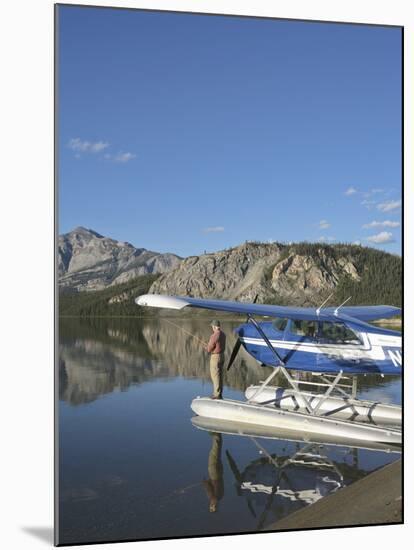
<point x="374" y="500"/>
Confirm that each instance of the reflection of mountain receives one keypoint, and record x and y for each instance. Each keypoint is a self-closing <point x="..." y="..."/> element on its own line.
<point x="98" y="356"/>
<point x="88" y="370"/>
<point x="91" y="366"/>
<point x="185" y="356"/>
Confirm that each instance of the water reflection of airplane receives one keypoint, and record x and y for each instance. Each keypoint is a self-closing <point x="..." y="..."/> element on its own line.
<point x="287" y="482"/>
<point x="279" y="484"/>
<point x="333" y="343"/>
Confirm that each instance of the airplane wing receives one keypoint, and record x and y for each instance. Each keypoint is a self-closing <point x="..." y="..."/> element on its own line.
<point x="366" y="313"/>
<point x="363" y="313"/>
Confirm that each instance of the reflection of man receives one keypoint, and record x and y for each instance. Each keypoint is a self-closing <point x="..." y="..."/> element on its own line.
<point x="214" y="485"/>
<point x="216" y="346"/>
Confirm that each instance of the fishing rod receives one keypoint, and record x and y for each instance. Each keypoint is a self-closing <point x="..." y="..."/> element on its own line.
<point x="185" y="331"/>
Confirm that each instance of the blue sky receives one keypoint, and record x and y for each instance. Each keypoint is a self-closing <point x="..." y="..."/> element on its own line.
<point x="189" y="133"/>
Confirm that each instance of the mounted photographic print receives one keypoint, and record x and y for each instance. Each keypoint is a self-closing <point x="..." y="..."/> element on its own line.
<point x="229" y="274"/>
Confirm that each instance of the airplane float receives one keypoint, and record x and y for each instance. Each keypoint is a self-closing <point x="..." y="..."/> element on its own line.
<point x="333" y="343"/>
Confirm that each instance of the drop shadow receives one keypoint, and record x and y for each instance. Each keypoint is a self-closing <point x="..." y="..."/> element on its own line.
<point x="43" y="533"/>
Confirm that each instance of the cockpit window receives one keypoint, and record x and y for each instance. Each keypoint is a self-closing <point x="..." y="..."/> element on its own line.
<point x="280" y="323"/>
<point x="304" y="328"/>
<point x="338" y="333"/>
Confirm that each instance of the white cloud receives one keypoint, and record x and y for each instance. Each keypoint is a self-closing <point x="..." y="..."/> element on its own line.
<point x="323" y="224"/>
<point x="124" y="157"/>
<point x="357" y="242"/>
<point x="79" y="146"/>
<point x="216" y="229"/>
<point x="385" y="223"/>
<point x="98" y="146"/>
<point x="365" y="194"/>
<point x="368" y="204"/>
<point x="384" y="237"/>
<point x="389" y="205"/>
<point x="374" y="191"/>
<point x="83" y="146"/>
<point x="326" y="239"/>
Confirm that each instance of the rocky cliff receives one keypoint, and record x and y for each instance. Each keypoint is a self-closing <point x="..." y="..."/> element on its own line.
<point x="294" y="274"/>
<point x="89" y="261"/>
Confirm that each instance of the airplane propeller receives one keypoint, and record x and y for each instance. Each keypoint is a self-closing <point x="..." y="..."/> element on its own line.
<point x="237" y="345"/>
<point x="234" y="352"/>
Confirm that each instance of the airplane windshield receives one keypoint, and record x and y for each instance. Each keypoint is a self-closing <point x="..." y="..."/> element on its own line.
<point x="304" y="328"/>
<point x="280" y="323"/>
<point x="324" y="332"/>
<point x="338" y="333"/>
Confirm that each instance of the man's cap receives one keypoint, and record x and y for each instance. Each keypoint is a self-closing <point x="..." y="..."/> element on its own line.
<point x="215" y="323"/>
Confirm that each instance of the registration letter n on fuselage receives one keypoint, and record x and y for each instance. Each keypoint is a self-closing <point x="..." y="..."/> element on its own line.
<point x="395" y="357"/>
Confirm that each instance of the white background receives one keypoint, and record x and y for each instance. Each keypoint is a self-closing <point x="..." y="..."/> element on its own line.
<point x="26" y="233"/>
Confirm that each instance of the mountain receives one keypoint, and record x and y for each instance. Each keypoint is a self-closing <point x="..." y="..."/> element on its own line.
<point x="298" y="274"/>
<point x="90" y="261"/>
<point x="286" y="274"/>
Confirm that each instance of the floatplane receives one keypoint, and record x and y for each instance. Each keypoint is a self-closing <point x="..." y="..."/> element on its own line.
<point x="335" y="344"/>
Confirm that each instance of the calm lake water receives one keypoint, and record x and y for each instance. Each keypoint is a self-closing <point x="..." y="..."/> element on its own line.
<point x="133" y="465"/>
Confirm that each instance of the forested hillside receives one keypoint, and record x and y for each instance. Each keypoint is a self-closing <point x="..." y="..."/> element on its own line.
<point x="114" y="301"/>
<point x="380" y="282"/>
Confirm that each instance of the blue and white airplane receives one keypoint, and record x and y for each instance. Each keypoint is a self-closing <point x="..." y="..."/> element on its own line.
<point x="322" y="340"/>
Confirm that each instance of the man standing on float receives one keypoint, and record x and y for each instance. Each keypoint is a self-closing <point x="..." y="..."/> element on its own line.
<point x="216" y="347"/>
